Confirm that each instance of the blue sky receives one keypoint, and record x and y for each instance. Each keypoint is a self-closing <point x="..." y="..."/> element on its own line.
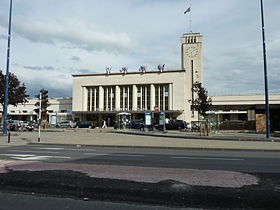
<point x="53" y="39"/>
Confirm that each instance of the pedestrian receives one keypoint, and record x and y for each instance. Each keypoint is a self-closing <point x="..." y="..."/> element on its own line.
<point x="104" y="124"/>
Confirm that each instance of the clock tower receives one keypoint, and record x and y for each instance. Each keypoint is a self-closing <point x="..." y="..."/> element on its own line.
<point x="191" y="60"/>
<point x="192" y="56"/>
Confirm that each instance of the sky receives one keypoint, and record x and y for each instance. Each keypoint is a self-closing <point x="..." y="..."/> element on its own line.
<point x="53" y="39"/>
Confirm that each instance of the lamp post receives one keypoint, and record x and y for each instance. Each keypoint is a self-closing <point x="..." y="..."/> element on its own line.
<point x="265" y="77"/>
<point x="7" y="72"/>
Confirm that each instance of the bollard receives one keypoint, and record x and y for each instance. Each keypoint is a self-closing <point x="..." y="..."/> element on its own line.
<point x="9" y="137"/>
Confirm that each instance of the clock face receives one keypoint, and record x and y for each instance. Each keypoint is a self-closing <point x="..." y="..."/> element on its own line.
<point x="192" y="52"/>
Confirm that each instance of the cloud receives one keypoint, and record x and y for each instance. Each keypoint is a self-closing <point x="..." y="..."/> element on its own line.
<point x="75" y="58"/>
<point x="39" y="68"/>
<point x="72" y="33"/>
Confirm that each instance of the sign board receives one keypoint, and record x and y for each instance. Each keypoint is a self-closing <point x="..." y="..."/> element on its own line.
<point x="53" y="119"/>
<point x="162" y="118"/>
<point x="148" y="118"/>
<point x="156" y="108"/>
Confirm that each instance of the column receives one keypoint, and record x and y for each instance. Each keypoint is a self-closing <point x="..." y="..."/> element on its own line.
<point x="152" y="96"/>
<point x="128" y="87"/>
<point x="146" y="97"/>
<point x="111" y="97"/>
<point x="90" y="99"/>
<point x="94" y="109"/>
<point x="85" y="99"/>
<point x="118" y="96"/>
<point x="134" y="98"/>
<point x="170" y="96"/>
<point x="107" y="99"/>
<point x="101" y="98"/>
<point x="159" y="97"/>
<point x="124" y="93"/>
<point x="163" y="97"/>
<point x="141" y="102"/>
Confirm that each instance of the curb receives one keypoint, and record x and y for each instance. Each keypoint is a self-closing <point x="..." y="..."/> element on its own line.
<point x="197" y="137"/>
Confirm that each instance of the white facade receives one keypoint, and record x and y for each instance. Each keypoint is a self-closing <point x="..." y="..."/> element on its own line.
<point x="25" y="112"/>
<point x="101" y="95"/>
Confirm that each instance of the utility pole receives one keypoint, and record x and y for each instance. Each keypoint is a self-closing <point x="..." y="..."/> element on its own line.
<point x="40" y="116"/>
<point x="7" y="73"/>
<point x="265" y="78"/>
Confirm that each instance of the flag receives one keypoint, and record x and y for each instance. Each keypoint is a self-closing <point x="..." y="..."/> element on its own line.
<point x="188" y="10"/>
<point x="161" y="67"/>
<point x="143" y="69"/>
<point x="108" y="70"/>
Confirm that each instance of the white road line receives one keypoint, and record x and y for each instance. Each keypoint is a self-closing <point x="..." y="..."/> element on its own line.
<point x="92" y="150"/>
<point x="18" y="155"/>
<point x="48" y="148"/>
<point x="33" y="157"/>
<point x="97" y="154"/>
<point x="126" y="155"/>
<point x="197" y="158"/>
<point x="14" y="150"/>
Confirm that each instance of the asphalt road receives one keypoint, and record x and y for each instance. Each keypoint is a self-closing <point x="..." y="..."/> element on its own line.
<point x="15" y="201"/>
<point x="261" y="162"/>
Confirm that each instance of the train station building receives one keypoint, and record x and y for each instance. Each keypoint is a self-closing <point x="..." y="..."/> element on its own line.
<point x="100" y="97"/>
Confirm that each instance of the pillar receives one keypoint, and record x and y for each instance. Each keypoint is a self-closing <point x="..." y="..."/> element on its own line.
<point x="152" y="97"/>
<point x="134" y="98"/>
<point x="117" y="100"/>
<point x="170" y="97"/>
<point x="101" y="98"/>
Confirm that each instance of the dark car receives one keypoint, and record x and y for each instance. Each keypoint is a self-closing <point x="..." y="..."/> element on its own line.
<point x="136" y="124"/>
<point x="85" y="124"/>
<point x="173" y="125"/>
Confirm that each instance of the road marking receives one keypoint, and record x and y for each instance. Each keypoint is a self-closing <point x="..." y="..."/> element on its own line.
<point x="97" y="154"/>
<point x="126" y="155"/>
<point x="48" y="148"/>
<point x="14" y="150"/>
<point x="45" y="148"/>
<point x="197" y="158"/>
<point x="33" y="157"/>
<point x="81" y="149"/>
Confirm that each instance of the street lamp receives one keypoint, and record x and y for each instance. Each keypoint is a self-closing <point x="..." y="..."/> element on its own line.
<point x="265" y="77"/>
<point x="7" y="72"/>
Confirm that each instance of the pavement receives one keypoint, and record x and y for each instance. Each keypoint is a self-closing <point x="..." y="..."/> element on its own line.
<point x="145" y="139"/>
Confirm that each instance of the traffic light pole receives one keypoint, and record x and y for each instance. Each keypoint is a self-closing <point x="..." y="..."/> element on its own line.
<point x="40" y="116"/>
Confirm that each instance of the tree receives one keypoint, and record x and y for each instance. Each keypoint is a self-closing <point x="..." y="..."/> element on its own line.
<point x="17" y="91"/>
<point x="44" y="103"/>
<point x="202" y="102"/>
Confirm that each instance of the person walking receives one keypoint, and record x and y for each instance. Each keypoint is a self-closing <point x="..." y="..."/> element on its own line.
<point x="104" y="124"/>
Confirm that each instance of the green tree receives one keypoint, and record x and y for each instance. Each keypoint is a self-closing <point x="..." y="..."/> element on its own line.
<point x="44" y="103"/>
<point x="202" y="102"/>
<point x="17" y="91"/>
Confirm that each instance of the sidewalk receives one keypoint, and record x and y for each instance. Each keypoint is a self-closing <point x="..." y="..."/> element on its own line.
<point x="171" y="140"/>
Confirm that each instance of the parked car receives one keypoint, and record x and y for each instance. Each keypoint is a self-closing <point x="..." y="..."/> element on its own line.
<point x="173" y="125"/>
<point x="63" y="124"/>
<point x="85" y="124"/>
<point x="16" y="125"/>
<point x="13" y="125"/>
<point x="136" y="124"/>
